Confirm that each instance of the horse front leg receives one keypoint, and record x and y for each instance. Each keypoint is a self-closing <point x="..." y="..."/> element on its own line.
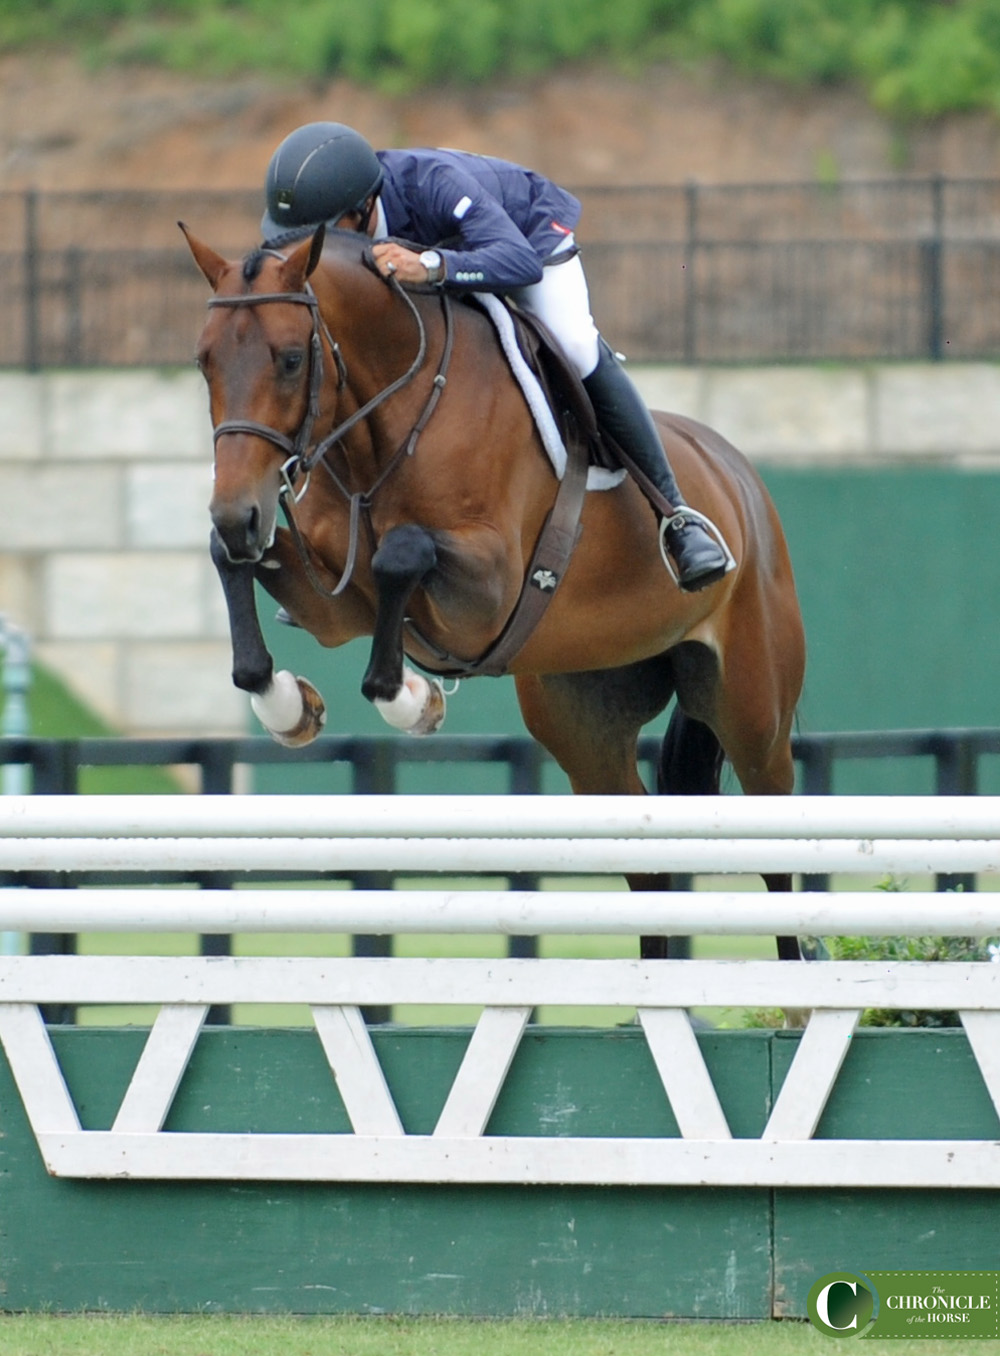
<point x="404" y="699"/>
<point x="289" y="708"/>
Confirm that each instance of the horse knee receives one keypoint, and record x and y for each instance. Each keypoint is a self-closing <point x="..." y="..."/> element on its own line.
<point x="404" y="555"/>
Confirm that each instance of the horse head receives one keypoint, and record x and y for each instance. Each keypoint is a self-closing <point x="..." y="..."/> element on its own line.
<point x="262" y="356"/>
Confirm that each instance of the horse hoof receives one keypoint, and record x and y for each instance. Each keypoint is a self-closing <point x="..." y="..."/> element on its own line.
<point x="417" y="708"/>
<point x="286" y="695"/>
<point x="312" y="721"/>
<point x="433" y="714"/>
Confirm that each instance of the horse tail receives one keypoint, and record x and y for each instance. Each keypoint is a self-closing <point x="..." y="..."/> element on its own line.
<point x="691" y="759"/>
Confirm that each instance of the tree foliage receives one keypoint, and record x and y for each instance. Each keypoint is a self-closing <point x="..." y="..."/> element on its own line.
<point x="913" y="58"/>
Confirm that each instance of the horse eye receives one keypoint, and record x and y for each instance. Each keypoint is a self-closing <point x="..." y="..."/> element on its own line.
<point x="291" y="362"/>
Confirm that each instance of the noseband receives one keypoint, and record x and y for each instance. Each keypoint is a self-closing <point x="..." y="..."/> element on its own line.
<point x="300" y="457"/>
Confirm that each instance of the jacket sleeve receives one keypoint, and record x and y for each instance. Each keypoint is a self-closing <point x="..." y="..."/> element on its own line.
<point x="482" y="247"/>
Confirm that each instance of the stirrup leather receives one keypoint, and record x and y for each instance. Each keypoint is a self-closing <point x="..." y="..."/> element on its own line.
<point x="682" y="514"/>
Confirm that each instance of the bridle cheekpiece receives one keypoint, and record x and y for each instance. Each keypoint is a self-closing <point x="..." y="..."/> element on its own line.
<point x="300" y="456"/>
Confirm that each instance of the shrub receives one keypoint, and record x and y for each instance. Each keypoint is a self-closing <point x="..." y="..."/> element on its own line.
<point x="910" y="949"/>
<point x="914" y="58"/>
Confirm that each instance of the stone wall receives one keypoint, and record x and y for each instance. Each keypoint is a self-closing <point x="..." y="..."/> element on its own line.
<point x="105" y="479"/>
<point x="944" y="414"/>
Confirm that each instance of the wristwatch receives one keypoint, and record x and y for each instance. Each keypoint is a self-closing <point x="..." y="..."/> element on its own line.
<point x="434" y="265"/>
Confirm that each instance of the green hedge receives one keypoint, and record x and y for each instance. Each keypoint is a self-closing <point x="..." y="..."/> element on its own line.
<point x="911" y="949"/>
<point x="914" y="58"/>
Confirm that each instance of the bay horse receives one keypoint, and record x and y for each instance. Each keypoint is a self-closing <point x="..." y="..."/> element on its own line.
<point x="388" y="426"/>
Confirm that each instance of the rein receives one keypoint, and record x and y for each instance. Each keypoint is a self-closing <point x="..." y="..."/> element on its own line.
<point x="301" y="458"/>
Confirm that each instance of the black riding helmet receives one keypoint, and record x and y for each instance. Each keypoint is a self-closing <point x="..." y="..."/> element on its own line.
<point x="319" y="172"/>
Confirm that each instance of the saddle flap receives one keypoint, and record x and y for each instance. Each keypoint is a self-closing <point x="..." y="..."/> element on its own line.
<point x="561" y="386"/>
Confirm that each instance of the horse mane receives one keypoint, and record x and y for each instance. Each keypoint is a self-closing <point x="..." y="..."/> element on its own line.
<point x="252" y="264"/>
<point x="345" y="243"/>
<point x="291" y="237"/>
<point x="334" y="235"/>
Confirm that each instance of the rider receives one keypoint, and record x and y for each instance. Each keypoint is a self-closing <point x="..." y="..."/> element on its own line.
<point x="490" y="226"/>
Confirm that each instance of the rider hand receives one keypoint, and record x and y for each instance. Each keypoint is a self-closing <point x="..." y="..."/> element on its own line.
<point x="396" y="259"/>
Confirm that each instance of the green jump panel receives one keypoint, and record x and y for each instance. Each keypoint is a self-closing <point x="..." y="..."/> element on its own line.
<point x="166" y="1247"/>
<point x="894" y="1084"/>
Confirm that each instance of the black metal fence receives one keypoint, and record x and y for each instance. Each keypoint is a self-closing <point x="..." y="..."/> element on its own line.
<point x="377" y="762"/>
<point x="901" y="268"/>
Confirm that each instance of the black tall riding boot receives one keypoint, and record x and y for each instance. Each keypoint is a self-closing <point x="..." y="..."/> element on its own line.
<point x="622" y="413"/>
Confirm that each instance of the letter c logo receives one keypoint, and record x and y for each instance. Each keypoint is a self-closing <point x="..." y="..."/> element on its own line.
<point x="823" y="1306"/>
<point x="840" y="1304"/>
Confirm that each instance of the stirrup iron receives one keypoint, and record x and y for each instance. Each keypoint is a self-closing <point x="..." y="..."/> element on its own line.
<point x="682" y="515"/>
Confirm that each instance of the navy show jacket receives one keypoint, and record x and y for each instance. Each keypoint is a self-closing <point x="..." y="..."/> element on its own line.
<point x="494" y="222"/>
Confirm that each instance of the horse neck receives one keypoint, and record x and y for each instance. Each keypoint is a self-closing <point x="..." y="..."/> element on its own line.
<point x="378" y="340"/>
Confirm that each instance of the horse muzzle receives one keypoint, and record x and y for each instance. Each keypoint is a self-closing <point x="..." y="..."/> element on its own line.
<point x="245" y="529"/>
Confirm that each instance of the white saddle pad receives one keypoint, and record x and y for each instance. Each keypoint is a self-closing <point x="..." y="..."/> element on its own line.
<point x="598" y="477"/>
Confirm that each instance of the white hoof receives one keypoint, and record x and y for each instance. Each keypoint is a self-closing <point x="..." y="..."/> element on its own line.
<point x="291" y="710"/>
<point x="417" y="708"/>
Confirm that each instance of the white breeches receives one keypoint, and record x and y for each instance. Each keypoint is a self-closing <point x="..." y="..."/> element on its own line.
<point x="561" y="301"/>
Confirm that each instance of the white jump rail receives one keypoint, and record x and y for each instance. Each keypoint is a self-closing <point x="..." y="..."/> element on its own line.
<point x="421" y="816"/>
<point x="557" y="835"/>
<point x="499" y="834"/>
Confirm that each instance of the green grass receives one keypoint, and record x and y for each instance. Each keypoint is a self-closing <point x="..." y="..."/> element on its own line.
<point x="250" y="1336"/>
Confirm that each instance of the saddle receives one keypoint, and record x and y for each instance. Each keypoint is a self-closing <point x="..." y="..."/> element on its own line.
<point x="560" y="385"/>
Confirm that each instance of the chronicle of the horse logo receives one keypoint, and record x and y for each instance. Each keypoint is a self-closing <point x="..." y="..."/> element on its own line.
<point x="545" y="580"/>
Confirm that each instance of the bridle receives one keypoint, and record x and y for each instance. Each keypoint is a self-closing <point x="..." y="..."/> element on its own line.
<point x="301" y="454"/>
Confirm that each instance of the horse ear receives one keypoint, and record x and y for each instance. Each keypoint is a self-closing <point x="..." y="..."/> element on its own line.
<point x="317" y="249"/>
<point x="210" y="263"/>
<point x="302" y="261"/>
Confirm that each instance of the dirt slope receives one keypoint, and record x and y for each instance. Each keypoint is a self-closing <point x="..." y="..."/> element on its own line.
<point x="65" y="127"/>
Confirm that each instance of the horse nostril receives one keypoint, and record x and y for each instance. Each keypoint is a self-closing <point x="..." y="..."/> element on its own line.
<point x="240" y="528"/>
